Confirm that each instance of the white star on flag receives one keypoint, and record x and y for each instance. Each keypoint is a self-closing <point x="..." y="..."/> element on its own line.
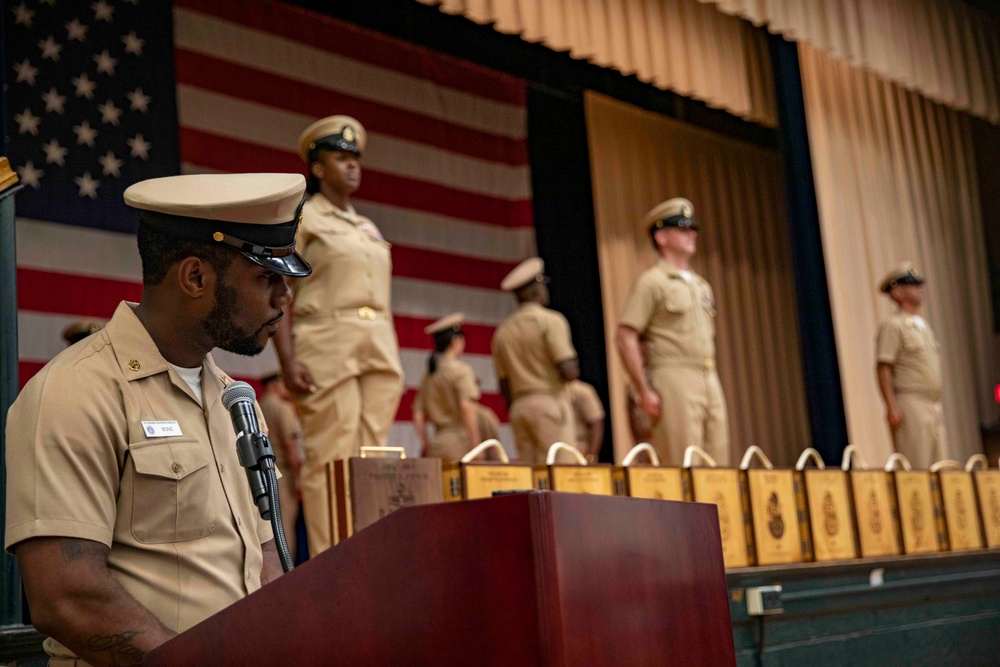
<point x="26" y="72"/>
<point x="84" y="86"/>
<point x="133" y="44"/>
<point x="27" y="122"/>
<point x="105" y="63"/>
<point x="102" y="11"/>
<point x="109" y="112"/>
<point x="111" y="165"/>
<point x="88" y="185"/>
<point x="85" y="134"/>
<point x="54" y="101"/>
<point x="30" y="175"/>
<point x="22" y="15"/>
<point x="140" y="147"/>
<point x="54" y="153"/>
<point x="76" y="30"/>
<point x="50" y="48"/>
<point x="138" y="100"/>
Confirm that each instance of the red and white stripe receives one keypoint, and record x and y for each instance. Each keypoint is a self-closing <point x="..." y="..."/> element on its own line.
<point x="446" y="176"/>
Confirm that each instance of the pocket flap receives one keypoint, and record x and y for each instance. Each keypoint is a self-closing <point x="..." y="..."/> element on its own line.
<point x="173" y="459"/>
<point x="677" y="300"/>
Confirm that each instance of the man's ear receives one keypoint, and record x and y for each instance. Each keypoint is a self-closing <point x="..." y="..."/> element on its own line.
<point x="194" y="276"/>
<point x="317" y="169"/>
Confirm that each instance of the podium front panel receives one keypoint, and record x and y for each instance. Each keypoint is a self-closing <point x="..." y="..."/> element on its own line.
<point x="548" y="579"/>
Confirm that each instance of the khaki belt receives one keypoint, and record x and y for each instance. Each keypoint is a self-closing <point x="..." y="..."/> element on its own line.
<point x="706" y="363"/>
<point x="366" y="313"/>
<point x="538" y="392"/>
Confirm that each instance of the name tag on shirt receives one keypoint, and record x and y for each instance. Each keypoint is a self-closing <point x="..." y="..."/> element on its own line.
<point x="161" y="429"/>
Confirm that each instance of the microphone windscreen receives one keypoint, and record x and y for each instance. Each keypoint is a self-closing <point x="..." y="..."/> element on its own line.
<point x="237" y="391"/>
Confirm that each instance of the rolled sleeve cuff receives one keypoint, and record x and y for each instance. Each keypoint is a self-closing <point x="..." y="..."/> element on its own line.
<point x="57" y="528"/>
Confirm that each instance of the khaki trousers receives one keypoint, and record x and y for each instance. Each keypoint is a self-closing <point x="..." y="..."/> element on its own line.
<point x="359" y="381"/>
<point x="489" y="423"/>
<point x="289" y="510"/>
<point x="692" y="412"/>
<point x="450" y="443"/>
<point x="921" y="438"/>
<point x="538" y="421"/>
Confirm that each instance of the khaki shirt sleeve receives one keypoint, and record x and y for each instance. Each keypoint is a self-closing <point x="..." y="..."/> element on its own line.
<point x="587" y="403"/>
<point x="291" y="427"/>
<point x="640" y="305"/>
<point x="498" y="362"/>
<point x="66" y="441"/>
<point x="889" y="341"/>
<point x="466" y="388"/>
<point x="557" y="339"/>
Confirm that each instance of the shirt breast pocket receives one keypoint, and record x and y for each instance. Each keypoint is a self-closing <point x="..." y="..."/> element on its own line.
<point x="172" y="493"/>
<point x="913" y="342"/>
<point x="677" y="300"/>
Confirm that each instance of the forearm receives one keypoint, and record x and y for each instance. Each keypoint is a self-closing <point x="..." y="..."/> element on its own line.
<point x="471" y="421"/>
<point x="886" y="385"/>
<point x="505" y="393"/>
<point x="595" y="437"/>
<point x="283" y="343"/>
<point x="271" y="568"/>
<point x="569" y="370"/>
<point x="75" y="600"/>
<point x="627" y="341"/>
<point x="420" y="424"/>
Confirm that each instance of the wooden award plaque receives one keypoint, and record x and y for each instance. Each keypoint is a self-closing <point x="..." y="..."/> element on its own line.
<point x="646" y="481"/>
<point x="775" y="516"/>
<point x="988" y="492"/>
<point x="364" y="490"/>
<point x="467" y="481"/>
<point x="916" y="511"/>
<point x="723" y="487"/>
<point x="594" y="479"/>
<point x="960" y="508"/>
<point x="874" y="513"/>
<point x="831" y="518"/>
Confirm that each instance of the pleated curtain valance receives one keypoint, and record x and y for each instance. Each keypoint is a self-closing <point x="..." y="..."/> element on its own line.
<point x="942" y="49"/>
<point x="679" y="45"/>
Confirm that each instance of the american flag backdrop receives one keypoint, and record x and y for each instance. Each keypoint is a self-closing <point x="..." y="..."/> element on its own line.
<point x="103" y="94"/>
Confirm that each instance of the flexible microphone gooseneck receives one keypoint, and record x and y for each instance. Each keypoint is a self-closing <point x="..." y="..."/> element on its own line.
<point x="257" y="458"/>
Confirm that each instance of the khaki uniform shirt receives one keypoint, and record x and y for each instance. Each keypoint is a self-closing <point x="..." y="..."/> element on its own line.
<point x="674" y="317"/>
<point x="283" y="426"/>
<point x="913" y="352"/>
<point x="176" y="512"/>
<point x="442" y="392"/>
<point x="587" y="408"/>
<point x="351" y="262"/>
<point x="527" y="348"/>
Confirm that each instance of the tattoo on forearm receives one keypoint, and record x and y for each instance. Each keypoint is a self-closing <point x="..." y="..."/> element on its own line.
<point x="119" y="646"/>
<point x="75" y="549"/>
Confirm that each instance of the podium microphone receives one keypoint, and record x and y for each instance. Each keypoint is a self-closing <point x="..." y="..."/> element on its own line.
<point x="257" y="458"/>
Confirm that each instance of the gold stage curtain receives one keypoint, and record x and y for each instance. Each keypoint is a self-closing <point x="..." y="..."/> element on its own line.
<point x="895" y="180"/>
<point x="639" y="159"/>
<point x="678" y="45"/>
<point x="944" y="49"/>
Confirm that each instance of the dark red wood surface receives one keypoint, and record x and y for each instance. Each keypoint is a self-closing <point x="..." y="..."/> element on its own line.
<point x="533" y="579"/>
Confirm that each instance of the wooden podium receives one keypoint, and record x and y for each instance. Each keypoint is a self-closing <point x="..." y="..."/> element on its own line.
<point x="551" y="579"/>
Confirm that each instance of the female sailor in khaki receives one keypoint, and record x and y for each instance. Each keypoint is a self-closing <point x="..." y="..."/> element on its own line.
<point x="339" y="356"/>
<point x="448" y="395"/>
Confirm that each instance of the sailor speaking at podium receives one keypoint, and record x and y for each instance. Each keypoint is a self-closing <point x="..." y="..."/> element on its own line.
<point x="127" y="508"/>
